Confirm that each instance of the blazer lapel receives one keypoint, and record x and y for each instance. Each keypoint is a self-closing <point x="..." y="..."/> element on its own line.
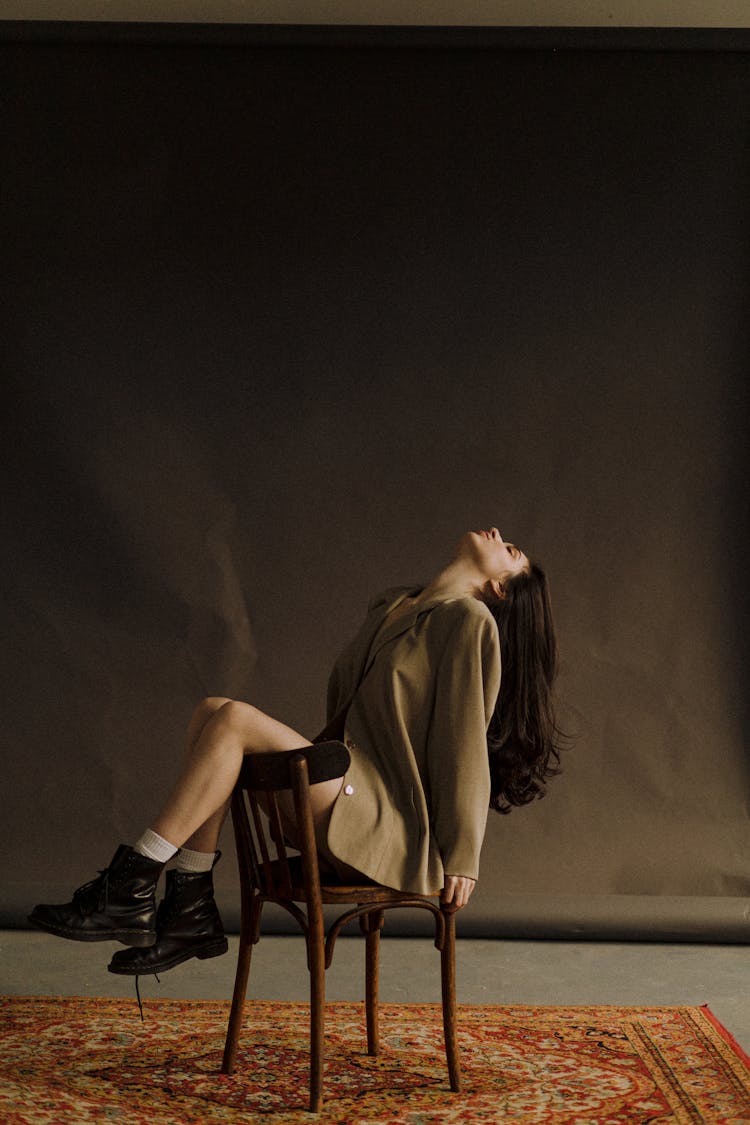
<point x="394" y="629"/>
<point x="372" y="642"/>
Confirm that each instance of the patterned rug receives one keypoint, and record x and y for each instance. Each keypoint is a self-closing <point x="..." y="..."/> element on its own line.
<point x="81" y="1060"/>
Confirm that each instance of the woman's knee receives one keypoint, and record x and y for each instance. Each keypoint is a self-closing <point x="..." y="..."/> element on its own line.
<point x="238" y="716"/>
<point x="205" y="711"/>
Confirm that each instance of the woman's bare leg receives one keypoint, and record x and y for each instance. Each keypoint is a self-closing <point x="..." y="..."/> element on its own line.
<point x="220" y="734"/>
<point x="205" y="837"/>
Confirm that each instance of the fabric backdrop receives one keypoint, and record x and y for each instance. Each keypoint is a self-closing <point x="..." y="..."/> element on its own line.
<point x="280" y="324"/>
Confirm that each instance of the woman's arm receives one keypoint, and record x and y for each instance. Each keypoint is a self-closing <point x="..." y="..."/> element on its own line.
<point x="466" y="687"/>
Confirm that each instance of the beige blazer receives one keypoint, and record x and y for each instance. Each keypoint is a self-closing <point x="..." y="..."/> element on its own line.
<point x="413" y="805"/>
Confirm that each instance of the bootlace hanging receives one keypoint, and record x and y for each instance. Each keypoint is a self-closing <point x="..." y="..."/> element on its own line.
<point x="138" y="994"/>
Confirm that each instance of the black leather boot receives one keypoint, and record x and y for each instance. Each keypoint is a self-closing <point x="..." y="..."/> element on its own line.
<point x="119" y="905"/>
<point x="188" y="925"/>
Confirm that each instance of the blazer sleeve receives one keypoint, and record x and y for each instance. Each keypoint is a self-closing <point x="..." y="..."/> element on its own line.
<point x="467" y="685"/>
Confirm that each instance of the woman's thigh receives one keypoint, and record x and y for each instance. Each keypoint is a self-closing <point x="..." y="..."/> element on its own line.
<point x="261" y="732"/>
<point x="257" y="730"/>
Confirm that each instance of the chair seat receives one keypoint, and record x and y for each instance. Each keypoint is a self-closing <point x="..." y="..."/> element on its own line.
<point x="333" y="890"/>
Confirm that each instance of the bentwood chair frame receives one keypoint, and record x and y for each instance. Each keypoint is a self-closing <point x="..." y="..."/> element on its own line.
<point x="268" y="873"/>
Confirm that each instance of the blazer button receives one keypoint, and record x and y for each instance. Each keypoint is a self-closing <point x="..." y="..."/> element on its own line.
<point x="348" y="789"/>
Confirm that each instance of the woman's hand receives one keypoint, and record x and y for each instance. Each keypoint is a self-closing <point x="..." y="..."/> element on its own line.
<point x="457" y="890"/>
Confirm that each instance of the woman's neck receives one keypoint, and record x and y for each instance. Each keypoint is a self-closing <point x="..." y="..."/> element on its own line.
<point x="457" y="580"/>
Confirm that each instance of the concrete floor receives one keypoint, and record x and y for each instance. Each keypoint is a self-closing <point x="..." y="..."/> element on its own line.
<point x="489" y="972"/>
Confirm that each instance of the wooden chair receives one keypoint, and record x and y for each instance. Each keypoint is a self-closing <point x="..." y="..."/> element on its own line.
<point x="269" y="874"/>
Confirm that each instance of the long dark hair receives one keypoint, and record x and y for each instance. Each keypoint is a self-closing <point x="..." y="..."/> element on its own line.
<point x="523" y="738"/>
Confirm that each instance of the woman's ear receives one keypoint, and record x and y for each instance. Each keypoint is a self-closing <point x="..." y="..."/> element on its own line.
<point x="497" y="588"/>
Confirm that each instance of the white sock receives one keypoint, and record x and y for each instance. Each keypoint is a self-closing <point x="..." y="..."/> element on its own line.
<point x="154" y="846"/>
<point x="195" y="861"/>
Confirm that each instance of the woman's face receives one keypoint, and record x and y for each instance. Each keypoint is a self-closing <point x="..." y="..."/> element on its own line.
<point x="496" y="559"/>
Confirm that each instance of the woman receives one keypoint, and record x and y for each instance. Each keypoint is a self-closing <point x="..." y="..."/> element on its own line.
<point x="436" y="738"/>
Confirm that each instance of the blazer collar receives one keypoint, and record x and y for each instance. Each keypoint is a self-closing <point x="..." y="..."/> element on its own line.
<point x="381" y="636"/>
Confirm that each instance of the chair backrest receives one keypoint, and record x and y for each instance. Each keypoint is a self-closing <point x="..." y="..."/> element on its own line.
<point x="261" y="843"/>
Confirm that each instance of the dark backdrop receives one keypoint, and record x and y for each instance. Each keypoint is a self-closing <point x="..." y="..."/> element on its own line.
<point x="280" y="323"/>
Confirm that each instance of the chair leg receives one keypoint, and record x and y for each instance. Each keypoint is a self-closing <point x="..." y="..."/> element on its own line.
<point x="317" y="1017"/>
<point x="371" y="924"/>
<point x="238" y="1004"/>
<point x="448" y="981"/>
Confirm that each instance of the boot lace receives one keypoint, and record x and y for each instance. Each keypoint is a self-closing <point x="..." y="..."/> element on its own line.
<point x="138" y="994"/>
